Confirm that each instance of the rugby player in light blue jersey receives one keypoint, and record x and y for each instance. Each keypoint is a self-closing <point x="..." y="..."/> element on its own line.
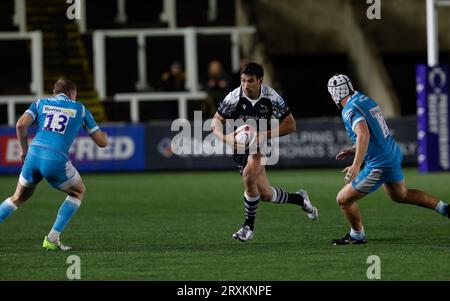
<point x="376" y="148"/>
<point x="58" y="119"/>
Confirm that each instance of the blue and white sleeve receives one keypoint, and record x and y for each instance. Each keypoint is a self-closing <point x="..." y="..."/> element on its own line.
<point x="227" y="106"/>
<point x="89" y="122"/>
<point x="280" y="107"/>
<point x="32" y="110"/>
<point x="354" y="117"/>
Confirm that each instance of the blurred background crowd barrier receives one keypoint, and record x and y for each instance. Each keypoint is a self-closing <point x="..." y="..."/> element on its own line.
<point x="141" y="64"/>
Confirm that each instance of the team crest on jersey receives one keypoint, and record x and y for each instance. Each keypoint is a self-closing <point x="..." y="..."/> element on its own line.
<point x="264" y="109"/>
<point x="53" y="109"/>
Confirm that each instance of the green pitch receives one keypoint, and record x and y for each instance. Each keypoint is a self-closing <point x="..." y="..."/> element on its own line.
<point x="178" y="226"/>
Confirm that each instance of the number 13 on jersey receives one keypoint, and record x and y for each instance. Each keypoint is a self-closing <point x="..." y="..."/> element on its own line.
<point x="56" y="118"/>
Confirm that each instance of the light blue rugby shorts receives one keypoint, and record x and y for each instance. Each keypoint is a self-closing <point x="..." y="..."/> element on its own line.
<point x="371" y="178"/>
<point x="59" y="173"/>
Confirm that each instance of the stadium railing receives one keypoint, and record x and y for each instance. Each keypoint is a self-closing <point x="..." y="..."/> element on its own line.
<point x="37" y="65"/>
<point x="20" y="15"/>
<point x="134" y="98"/>
<point x="169" y="13"/>
<point x="190" y="51"/>
<point x="181" y="97"/>
<point x="11" y="101"/>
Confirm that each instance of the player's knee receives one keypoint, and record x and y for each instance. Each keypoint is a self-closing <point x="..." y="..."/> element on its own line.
<point x="342" y="200"/>
<point x="78" y="193"/>
<point x="249" y="178"/>
<point x="398" y="197"/>
<point x="17" y="200"/>
<point x="82" y="192"/>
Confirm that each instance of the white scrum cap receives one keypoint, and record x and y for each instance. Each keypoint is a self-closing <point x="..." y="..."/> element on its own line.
<point x="340" y="86"/>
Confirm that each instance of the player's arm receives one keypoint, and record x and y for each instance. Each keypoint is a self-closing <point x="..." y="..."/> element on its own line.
<point x="217" y="129"/>
<point x="100" y="138"/>
<point x="346" y="152"/>
<point x="97" y="135"/>
<point x="280" y="111"/>
<point x="362" y="142"/>
<point x="22" y="125"/>
<point x="287" y="126"/>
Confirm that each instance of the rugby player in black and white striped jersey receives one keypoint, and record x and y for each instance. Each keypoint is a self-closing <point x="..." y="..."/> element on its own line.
<point x="253" y="100"/>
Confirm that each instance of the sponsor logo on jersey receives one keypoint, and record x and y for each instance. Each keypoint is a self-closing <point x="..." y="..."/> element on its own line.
<point x="53" y="109"/>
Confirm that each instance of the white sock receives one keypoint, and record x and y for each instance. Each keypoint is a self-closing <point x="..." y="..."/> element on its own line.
<point x="440" y="207"/>
<point x="11" y="204"/>
<point x="251" y="198"/>
<point x="357" y="234"/>
<point x="53" y="236"/>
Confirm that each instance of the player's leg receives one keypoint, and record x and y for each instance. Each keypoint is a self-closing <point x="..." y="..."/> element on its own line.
<point x="70" y="182"/>
<point x="346" y="200"/>
<point x="395" y="187"/>
<point x="277" y="195"/>
<point x="11" y="204"/>
<point x="67" y="209"/>
<point x="250" y="166"/>
<point x="28" y="179"/>
<point x="399" y="193"/>
<point x="251" y="194"/>
<point x="264" y="188"/>
<point x="368" y="180"/>
<point x="244" y="233"/>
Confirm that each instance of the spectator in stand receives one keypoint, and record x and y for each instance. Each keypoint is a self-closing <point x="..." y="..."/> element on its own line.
<point x="174" y="79"/>
<point x="217" y="85"/>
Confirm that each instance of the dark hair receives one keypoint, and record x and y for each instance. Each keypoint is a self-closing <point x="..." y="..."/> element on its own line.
<point x="253" y="69"/>
<point x="64" y="86"/>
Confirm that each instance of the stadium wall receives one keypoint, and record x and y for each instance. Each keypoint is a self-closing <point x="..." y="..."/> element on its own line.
<point x="148" y="147"/>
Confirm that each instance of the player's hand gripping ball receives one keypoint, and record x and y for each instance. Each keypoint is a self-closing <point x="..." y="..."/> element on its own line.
<point x="246" y="136"/>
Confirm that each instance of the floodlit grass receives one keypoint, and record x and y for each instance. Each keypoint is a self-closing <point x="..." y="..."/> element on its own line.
<point x="178" y="226"/>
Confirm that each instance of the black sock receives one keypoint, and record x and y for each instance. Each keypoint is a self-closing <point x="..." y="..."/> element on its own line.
<point x="282" y="197"/>
<point x="250" y="206"/>
<point x="250" y="222"/>
<point x="295" y="198"/>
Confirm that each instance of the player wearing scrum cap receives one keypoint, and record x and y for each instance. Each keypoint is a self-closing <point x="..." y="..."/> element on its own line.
<point x="376" y="148"/>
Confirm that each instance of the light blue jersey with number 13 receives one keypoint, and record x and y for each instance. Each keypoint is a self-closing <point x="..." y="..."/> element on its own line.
<point x="59" y="119"/>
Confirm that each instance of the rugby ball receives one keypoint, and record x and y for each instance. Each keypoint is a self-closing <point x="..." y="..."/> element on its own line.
<point x="246" y="135"/>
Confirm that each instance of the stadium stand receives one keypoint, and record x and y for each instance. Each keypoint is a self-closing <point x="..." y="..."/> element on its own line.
<point x="64" y="51"/>
<point x="289" y="59"/>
